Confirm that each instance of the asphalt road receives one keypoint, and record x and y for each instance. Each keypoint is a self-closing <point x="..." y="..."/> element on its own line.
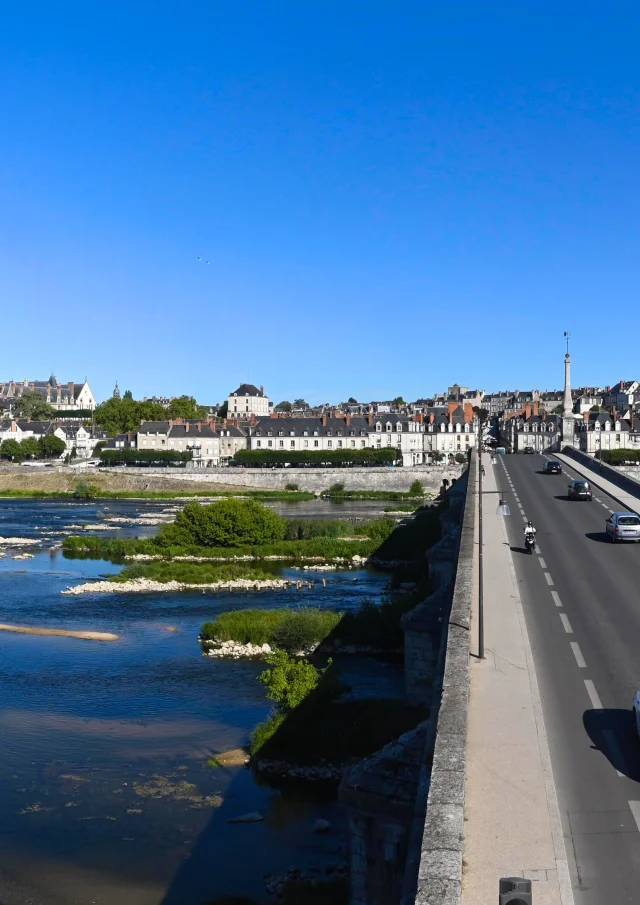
<point x="581" y="598"/>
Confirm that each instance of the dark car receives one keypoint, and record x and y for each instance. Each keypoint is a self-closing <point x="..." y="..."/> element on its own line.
<point x="529" y="451"/>
<point x="552" y="467"/>
<point x="579" y="490"/>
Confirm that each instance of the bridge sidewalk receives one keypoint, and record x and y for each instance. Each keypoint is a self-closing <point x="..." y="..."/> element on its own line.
<point x="626" y="500"/>
<point x="512" y="820"/>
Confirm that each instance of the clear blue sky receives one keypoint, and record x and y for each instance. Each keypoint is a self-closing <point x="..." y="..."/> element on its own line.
<point x="393" y="196"/>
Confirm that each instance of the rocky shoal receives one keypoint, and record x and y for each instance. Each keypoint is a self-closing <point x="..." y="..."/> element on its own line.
<point x="146" y="586"/>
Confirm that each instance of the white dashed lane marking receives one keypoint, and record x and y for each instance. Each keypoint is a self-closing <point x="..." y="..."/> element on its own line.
<point x="543" y="563"/>
<point x="635" y="810"/>
<point x="577" y="653"/>
<point x="594" y="697"/>
<point x="566" y="624"/>
<point x="548" y="578"/>
<point x="556" y="598"/>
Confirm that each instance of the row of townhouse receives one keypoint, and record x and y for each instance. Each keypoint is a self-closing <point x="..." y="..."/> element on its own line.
<point x="447" y="430"/>
<point x="544" y="432"/>
<point x="74" y="434"/>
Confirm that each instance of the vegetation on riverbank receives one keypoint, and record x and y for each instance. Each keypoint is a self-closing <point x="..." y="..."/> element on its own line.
<point x="190" y="573"/>
<point x="370" y="625"/>
<point x="284" y="495"/>
<point x="399" y="495"/>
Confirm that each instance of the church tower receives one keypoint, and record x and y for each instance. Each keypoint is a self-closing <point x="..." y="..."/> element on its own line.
<point x="116" y="392"/>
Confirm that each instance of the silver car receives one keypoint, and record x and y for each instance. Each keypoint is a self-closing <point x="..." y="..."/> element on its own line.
<point x="623" y="526"/>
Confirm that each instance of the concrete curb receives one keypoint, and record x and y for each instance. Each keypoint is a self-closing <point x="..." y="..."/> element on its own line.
<point x="434" y="875"/>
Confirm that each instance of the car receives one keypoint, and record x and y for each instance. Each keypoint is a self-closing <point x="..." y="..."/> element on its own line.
<point x="579" y="490"/>
<point x="552" y="467"/>
<point x="529" y="450"/>
<point x="623" y="526"/>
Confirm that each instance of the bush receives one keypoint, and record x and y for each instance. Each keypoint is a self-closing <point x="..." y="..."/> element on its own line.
<point x="229" y="523"/>
<point x="614" y="456"/>
<point x="291" y="486"/>
<point x="436" y="456"/>
<point x="266" y="627"/>
<point x="134" y="457"/>
<point x="417" y="488"/>
<point x="289" y="680"/>
<point x="460" y="458"/>
<point x="252" y="458"/>
<point x="337" y="488"/>
<point x="85" y="490"/>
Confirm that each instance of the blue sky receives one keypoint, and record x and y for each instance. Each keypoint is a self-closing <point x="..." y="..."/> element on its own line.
<point x="393" y="196"/>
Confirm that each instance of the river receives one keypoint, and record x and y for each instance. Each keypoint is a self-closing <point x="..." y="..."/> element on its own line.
<point x="93" y="732"/>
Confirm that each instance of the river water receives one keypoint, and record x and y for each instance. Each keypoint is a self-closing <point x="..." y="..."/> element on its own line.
<point x="92" y="732"/>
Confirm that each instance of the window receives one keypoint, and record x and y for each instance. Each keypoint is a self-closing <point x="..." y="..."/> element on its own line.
<point x="340" y="443"/>
<point x="258" y="443"/>
<point x="339" y="433"/>
<point x="292" y="433"/>
<point x="329" y="444"/>
<point x="280" y="443"/>
<point x="306" y="442"/>
<point x="270" y="443"/>
<point x="281" y="433"/>
<point x="363" y="443"/>
<point x="315" y="434"/>
<point x="305" y="433"/>
<point x="399" y="426"/>
<point x="315" y="442"/>
<point x="269" y="434"/>
<point x="389" y="426"/>
<point x="353" y="443"/>
<point x="378" y="426"/>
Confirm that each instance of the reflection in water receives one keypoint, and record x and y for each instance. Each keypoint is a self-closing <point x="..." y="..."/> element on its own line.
<point x="85" y="726"/>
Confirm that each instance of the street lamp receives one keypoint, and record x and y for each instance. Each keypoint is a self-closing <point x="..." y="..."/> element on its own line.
<point x="503" y="507"/>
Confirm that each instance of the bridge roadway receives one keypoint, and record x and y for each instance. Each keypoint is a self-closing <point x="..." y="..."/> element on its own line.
<point x="581" y="598"/>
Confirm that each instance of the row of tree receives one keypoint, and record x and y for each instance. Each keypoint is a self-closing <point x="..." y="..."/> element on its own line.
<point x="144" y="457"/>
<point x="119" y="416"/>
<point x="258" y="458"/>
<point x="48" y="447"/>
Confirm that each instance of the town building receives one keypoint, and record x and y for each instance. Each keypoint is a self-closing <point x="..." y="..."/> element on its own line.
<point x="624" y="395"/>
<point x="210" y="443"/>
<point x="248" y="401"/>
<point x="61" y="396"/>
<point x="600" y="431"/>
<point x="531" y="428"/>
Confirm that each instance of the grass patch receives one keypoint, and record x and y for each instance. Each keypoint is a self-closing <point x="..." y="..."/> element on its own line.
<point x="190" y="572"/>
<point x="402" y="507"/>
<point x="325" y="548"/>
<point x="292" y="630"/>
<point x="335" y="732"/>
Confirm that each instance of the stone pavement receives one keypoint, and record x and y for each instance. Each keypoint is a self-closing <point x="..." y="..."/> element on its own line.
<point x="626" y="500"/>
<point x="512" y="823"/>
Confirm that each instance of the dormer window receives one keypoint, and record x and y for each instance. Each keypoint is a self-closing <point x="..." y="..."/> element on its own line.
<point x="378" y="426"/>
<point x="389" y="426"/>
<point x="292" y="433"/>
<point x="339" y="433"/>
<point x="258" y="433"/>
<point x="315" y="433"/>
<point x="329" y="433"/>
<point x="305" y="433"/>
<point x="352" y="433"/>
<point x="269" y="433"/>
<point x="281" y="433"/>
<point x="399" y="426"/>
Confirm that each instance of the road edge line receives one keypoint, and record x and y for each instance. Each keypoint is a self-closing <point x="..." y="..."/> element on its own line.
<point x="553" y="809"/>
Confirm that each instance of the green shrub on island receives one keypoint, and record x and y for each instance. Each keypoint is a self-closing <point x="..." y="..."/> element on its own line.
<point x="86" y="490"/>
<point x="417" y="488"/>
<point x="291" y="630"/>
<point x="291" y="486"/>
<point x="190" y="573"/>
<point x="289" y="680"/>
<point x="228" y="523"/>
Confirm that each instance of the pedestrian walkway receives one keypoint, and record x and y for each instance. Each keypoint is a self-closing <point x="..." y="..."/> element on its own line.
<point x="512" y="820"/>
<point x="626" y="500"/>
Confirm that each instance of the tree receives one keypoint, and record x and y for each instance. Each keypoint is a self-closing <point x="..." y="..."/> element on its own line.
<point x="32" y="405"/>
<point x="229" y="523"/>
<point x="289" y="680"/>
<point x="223" y="411"/>
<point x="51" y="447"/>
<point x="399" y="401"/>
<point x="558" y="410"/>
<point x="284" y="406"/>
<point x="127" y="394"/>
<point x="482" y="414"/>
<point x="30" y="448"/>
<point x="300" y="403"/>
<point x="186" y="407"/>
<point x="11" y="449"/>
<point x="595" y="408"/>
<point x="119" y="416"/>
<point x="417" y="488"/>
<point x="352" y="401"/>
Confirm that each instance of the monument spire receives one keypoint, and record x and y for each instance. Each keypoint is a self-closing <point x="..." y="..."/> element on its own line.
<point x="567" y="400"/>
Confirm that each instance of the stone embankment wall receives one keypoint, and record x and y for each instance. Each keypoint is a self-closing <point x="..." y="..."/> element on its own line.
<point x="400" y="852"/>
<point x="311" y="479"/>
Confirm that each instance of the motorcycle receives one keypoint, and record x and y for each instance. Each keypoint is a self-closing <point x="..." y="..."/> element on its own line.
<point x="529" y="543"/>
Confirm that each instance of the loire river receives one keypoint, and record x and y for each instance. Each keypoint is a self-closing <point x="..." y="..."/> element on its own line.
<point x="105" y="796"/>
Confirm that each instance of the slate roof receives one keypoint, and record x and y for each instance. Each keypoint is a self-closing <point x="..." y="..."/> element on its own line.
<point x="247" y="389"/>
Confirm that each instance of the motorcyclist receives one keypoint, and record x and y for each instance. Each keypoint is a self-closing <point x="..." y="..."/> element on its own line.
<point x="529" y="532"/>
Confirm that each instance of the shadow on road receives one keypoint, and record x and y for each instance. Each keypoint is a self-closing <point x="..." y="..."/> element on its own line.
<point x="520" y="550"/>
<point x="600" y="537"/>
<point x="613" y="733"/>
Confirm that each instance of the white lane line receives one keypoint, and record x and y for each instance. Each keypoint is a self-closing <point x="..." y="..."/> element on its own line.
<point x="538" y="550"/>
<point x="614" y="751"/>
<point x="594" y="697"/>
<point x="556" y="598"/>
<point x="566" y="624"/>
<point x="542" y="563"/>
<point x="524" y="517"/>
<point x="577" y="653"/>
<point x="549" y="578"/>
<point x="597" y="499"/>
<point x="609" y="510"/>
<point x="635" y="810"/>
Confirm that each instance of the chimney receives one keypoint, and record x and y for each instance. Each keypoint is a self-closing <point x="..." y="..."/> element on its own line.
<point x="452" y="406"/>
<point x="432" y="417"/>
<point x="347" y="420"/>
<point x="585" y="415"/>
<point x="186" y="427"/>
<point x="262" y="391"/>
<point x="370" y="418"/>
<point x="324" y="420"/>
<point x="419" y="418"/>
<point x="527" y="411"/>
<point x="468" y="413"/>
<point x="536" y="409"/>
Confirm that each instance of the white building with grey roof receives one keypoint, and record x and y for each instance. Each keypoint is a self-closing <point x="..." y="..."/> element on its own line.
<point x="248" y="402"/>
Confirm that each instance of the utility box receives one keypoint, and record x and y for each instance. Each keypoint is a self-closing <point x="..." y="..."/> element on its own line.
<point x="515" y="891"/>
